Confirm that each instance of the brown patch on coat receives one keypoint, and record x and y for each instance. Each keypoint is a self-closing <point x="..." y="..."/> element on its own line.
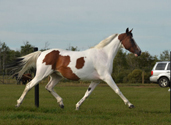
<point x="60" y="64"/>
<point x="80" y="63"/>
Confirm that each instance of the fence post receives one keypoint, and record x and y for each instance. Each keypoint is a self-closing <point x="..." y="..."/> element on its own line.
<point x="36" y="87"/>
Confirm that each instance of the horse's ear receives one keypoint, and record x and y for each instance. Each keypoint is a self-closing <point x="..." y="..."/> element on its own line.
<point x="131" y="30"/>
<point x="127" y="30"/>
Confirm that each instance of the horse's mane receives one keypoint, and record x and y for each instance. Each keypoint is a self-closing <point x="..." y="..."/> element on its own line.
<point x="105" y="41"/>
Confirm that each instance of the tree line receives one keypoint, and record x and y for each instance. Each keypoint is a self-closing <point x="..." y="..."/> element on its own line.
<point x="129" y="69"/>
<point x="126" y="67"/>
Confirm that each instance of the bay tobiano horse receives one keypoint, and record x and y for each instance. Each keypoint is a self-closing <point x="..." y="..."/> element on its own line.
<point x="24" y="78"/>
<point x="93" y="64"/>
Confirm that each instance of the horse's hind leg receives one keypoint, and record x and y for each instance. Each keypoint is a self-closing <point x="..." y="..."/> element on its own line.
<point x="29" y="86"/>
<point x="54" y="79"/>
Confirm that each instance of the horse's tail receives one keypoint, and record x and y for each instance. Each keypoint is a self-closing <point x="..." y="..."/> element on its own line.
<point x="25" y="62"/>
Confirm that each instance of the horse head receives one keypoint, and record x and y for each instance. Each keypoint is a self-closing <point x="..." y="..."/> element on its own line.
<point x="129" y="43"/>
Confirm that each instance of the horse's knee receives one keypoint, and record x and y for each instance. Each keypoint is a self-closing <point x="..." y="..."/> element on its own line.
<point x="117" y="91"/>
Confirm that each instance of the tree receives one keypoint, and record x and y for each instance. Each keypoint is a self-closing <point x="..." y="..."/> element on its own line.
<point x="26" y="49"/>
<point x="135" y="76"/>
<point x="0" y="55"/>
<point x="165" y="55"/>
<point x="119" y="66"/>
<point x="71" y="48"/>
<point x="131" y="61"/>
<point x="46" y="46"/>
<point x="124" y="64"/>
<point x="144" y="62"/>
<point x="4" y="55"/>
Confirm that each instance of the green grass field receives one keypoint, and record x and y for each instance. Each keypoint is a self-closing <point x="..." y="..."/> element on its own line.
<point x="103" y="107"/>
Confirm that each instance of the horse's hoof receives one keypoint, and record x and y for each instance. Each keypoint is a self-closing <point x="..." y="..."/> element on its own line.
<point x="17" y="105"/>
<point x="62" y="106"/>
<point x="131" y="106"/>
<point x="77" y="108"/>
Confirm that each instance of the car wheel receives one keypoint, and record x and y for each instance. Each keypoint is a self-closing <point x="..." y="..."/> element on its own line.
<point x="163" y="82"/>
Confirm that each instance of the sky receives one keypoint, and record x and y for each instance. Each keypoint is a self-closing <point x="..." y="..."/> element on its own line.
<point x="84" y="23"/>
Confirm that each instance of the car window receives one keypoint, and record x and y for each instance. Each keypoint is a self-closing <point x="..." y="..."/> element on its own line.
<point x="168" y="67"/>
<point x="160" y="66"/>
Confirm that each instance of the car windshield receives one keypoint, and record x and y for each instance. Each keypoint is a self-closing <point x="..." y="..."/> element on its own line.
<point x="160" y="66"/>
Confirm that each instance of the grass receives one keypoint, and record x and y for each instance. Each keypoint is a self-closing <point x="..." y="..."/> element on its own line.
<point x="152" y="106"/>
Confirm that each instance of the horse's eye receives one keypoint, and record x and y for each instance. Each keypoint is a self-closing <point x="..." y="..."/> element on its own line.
<point x="132" y="41"/>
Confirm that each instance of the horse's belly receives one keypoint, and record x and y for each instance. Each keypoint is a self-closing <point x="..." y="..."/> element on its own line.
<point x="77" y="74"/>
<point x="87" y="74"/>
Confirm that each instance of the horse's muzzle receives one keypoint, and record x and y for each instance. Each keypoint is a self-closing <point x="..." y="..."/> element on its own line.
<point x="138" y="53"/>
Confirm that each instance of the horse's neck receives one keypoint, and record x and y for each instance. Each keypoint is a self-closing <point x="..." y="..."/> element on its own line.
<point x="112" y="48"/>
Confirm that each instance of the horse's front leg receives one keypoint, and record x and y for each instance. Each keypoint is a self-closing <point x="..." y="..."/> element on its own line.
<point x="112" y="84"/>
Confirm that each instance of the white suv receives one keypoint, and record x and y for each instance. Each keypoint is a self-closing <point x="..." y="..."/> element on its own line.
<point x="161" y="73"/>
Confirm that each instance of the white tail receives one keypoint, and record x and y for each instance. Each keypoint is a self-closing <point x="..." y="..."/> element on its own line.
<point x="27" y="62"/>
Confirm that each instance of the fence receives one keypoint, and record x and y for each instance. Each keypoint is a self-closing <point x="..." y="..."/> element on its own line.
<point x="7" y="79"/>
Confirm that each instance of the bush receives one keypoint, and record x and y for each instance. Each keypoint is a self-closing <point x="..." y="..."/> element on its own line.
<point x="146" y="77"/>
<point x="119" y="78"/>
<point x="135" y="76"/>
